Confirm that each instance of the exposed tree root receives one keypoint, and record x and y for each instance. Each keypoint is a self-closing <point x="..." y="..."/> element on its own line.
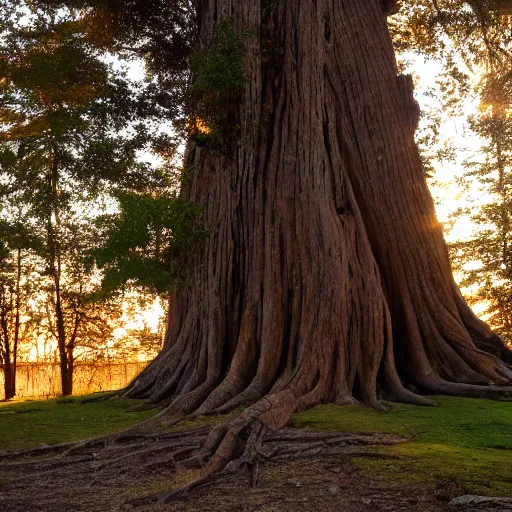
<point x="256" y="435"/>
<point x="236" y="452"/>
<point x="242" y="443"/>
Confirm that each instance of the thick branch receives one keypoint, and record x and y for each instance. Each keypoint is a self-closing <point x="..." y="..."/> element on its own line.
<point x="500" y="7"/>
<point x="391" y="6"/>
<point x="504" y="7"/>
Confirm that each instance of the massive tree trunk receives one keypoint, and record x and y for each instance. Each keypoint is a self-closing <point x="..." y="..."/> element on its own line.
<point x="326" y="277"/>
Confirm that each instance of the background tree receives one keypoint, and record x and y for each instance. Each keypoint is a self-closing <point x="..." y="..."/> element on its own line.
<point x="18" y="319"/>
<point x="485" y="259"/>
<point x="143" y="338"/>
<point x="88" y="319"/>
<point x="10" y="311"/>
<point x="63" y="112"/>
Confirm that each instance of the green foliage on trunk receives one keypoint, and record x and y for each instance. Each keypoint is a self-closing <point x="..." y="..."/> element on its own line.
<point x="218" y="86"/>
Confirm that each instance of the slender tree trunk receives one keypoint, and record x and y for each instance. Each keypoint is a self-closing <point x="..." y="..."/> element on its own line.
<point x="55" y="264"/>
<point x="65" y="355"/>
<point x="7" y="379"/>
<point x="67" y="373"/>
<point x="326" y="277"/>
<point x="8" y="367"/>
<point x="7" y="375"/>
<point x="5" y="345"/>
<point x="17" y="323"/>
<point x="67" y="387"/>
<point x="10" y="381"/>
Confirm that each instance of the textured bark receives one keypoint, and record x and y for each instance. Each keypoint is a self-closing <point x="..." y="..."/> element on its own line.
<point x="326" y="276"/>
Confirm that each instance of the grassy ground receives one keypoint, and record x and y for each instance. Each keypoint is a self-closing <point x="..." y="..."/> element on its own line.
<point x="35" y="422"/>
<point x="464" y="444"/>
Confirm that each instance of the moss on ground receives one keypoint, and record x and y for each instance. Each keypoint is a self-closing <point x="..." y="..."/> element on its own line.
<point x="464" y="443"/>
<point x="34" y="422"/>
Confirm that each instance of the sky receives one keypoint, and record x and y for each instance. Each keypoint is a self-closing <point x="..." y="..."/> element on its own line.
<point x="447" y="194"/>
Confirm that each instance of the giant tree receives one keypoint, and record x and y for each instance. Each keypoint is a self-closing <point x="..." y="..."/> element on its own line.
<point x="325" y="276"/>
<point x="326" y="272"/>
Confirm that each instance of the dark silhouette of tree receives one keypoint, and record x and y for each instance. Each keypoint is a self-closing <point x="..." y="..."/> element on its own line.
<point x="15" y="283"/>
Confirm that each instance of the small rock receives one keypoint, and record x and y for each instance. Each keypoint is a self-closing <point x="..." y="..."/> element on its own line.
<point x="366" y="501"/>
<point x="334" y="489"/>
<point x="471" y="499"/>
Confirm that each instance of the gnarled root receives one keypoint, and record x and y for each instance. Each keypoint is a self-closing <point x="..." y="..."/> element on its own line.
<point x="254" y="436"/>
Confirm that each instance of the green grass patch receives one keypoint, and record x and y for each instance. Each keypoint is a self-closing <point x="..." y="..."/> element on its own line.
<point x="32" y="423"/>
<point x="464" y="444"/>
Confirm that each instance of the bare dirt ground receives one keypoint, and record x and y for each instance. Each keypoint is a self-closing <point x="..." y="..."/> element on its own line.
<point x="317" y="483"/>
